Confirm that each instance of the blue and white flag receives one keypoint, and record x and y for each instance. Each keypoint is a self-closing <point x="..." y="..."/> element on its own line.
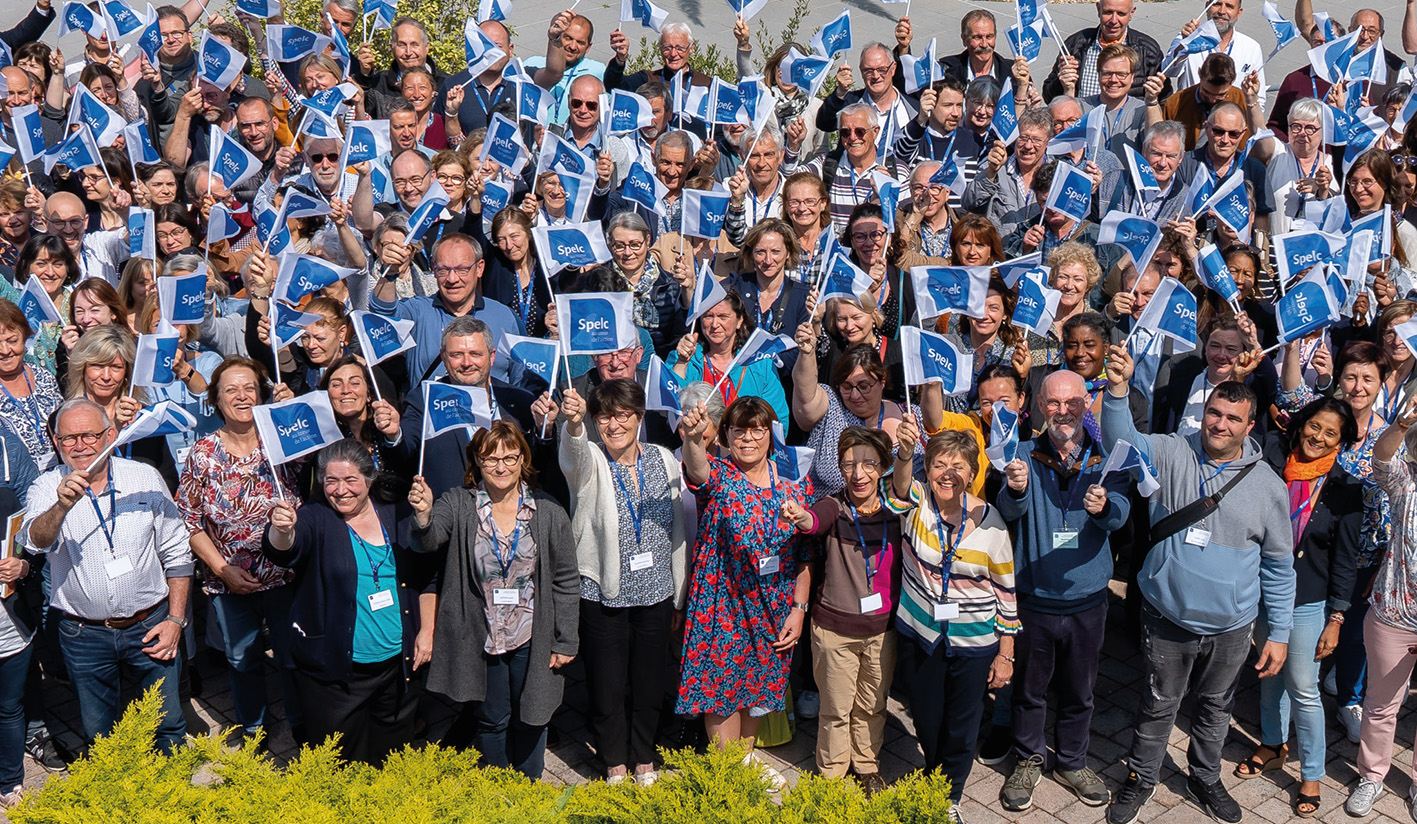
<point x="331" y="102"/>
<point x="318" y="126"/>
<point x="942" y="289"/>
<point x="1231" y="204"/>
<point x="747" y="8"/>
<point x="929" y="357"/>
<point x="1027" y="11"/>
<point x="1143" y="176"/>
<point x="495" y="197"/>
<point x="593" y="323"/>
<point x="1285" y="32"/>
<point x="703" y="213"/>
<point x="504" y="144"/>
<point x="480" y="50"/>
<point x="221" y="225"/>
<point x="793" y="462"/>
<point x="1216" y="275"/>
<point x="1379" y="224"/>
<point x="1080" y="135"/>
<point x="1037" y="304"/>
<point x="1330" y="60"/>
<point x="949" y="175"/>
<point x="79" y="17"/>
<point x="805" y="71"/>
<point x="1407" y="333"/>
<point x="1003" y="437"/>
<point x="449" y="408"/>
<point x="761" y="345"/>
<point x="290" y="44"/>
<point x="429" y="210"/>
<point x="644" y="12"/>
<point x="7" y="152"/>
<point x="37" y="306"/>
<point x="301" y="275"/>
<point x="835" y="37"/>
<point x="643" y="188"/>
<point x="662" y="389"/>
<point x="758" y="102"/>
<point x="1295" y="252"/>
<point x="121" y="18"/>
<point x="288" y="324"/>
<point x="1307" y="306"/>
<point x="218" y="63"/>
<point x="1125" y="457"/>
<point x="297" y="204"/>
<point x="1325" y="22"/>
<point x="1014" y="268"/>
<point x="182" y="299"/>
<point x="29" y="132"/>
<point x="923" y="71"/>
<point x="1201" y="41"/>
<point x="272" y="230"/>
<point x="1369" y="64"/>
<point x="727" y="107"/>
<point x="77" y="151"/>
<point x="1140" y="236"/>
<point x="1071" y="192"/>
<point x="843" y="279"/>
<point x="1005" y="122"/>
<point x="570" y="244"/>
<point x="230" y="161"/>
<point x="539" y="356"/>
<point x="142" y="233"/>
<point x="139" y="144"/>
<point x="1201" y="187"/>
<point x="295" y="428"/>
<point x="534" y="104"/>
<point x="382" y="13"/>
<point x="889" y="192"/>
<point x="154" y="358"/>
<point x="261" y="9"/>
<point x="380" y="337"/>
<point x="708" y="293"/>
<point x="1026" y="39"/>
<point x="150" y="40"/>
<point x="162" y="418"/>
<point x="85" y="109"/>
<point x="560" y="155"/>
<point x="366" y="140"/>
<point x="1171" y="312"/>
<point x="493" y="10"/>
<point x="7" y="57"/>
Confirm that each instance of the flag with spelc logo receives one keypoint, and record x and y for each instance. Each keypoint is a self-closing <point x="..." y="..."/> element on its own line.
<point x="294" y="428"/>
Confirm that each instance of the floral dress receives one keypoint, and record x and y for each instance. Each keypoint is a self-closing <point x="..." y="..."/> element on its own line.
<point x="26" y="416"/>
<point x="734" y="614"/>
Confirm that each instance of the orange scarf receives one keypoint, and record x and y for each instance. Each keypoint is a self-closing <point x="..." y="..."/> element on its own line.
<point x="1297" y="470"/>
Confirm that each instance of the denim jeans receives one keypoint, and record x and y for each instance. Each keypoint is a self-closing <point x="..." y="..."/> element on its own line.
<point x="96" y="655"/>
<point x="13" y="672"/>
<point x="1299" y="684"/>
<point x="502" y="738"/>
<point x="240" y="618"/>
<point x="1175" y="658"/>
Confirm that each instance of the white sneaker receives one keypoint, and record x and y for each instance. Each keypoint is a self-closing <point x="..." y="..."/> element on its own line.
<point x="12" y="798"/>
<point x="647" y="778"/>
<point x="1351" y="720"/>
<point x="809" y="703"/>
<point x="775" y="779"/>
<point x="1362" y="798"/>
<point x="1330" y="682"/>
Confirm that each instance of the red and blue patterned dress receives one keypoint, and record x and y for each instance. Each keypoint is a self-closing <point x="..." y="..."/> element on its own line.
<point x="734" y="614"/>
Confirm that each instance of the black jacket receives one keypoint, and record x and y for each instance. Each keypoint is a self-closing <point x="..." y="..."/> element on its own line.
<point x="1146" y="48"/>
<point x="1173" y="386"/>
<point x="1325" y="564"/>
<point x="957" y="66"/>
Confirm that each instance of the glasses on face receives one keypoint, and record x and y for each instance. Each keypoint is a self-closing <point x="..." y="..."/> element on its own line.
<point x="855" y="132"/>
<point x="811" y="203"/>
<point x="665" y="48"/>
<point x="1115" y="75"/>
<point x="410" y="182"/>
<point x="451" y="179"/>
<point x="750" y="433"/>
<point x="1070" y="403"/>
<point x="88" y="438"/>
<point x="174" y="36"/>
<point x="917" y="189"/>
<point x="506" y="461"/>
<point x="875" y="71"/>
<point x="175" y="234"/>
<point x="860" y="388"/>
<point x="1032" y="142"/>
<point x="624" y="416"/>
<point x="1402" y="162"/>
<point x="442" y="272"/>
<point x="627" y="246"/>
<point x="847" y="467"/>
<point x="316" y="158"/>
<point x="589" y="105"/>
<point x="1233" y="134"/>
<point x="72" y="224"/>
<point x="869" y="237"/>
<point x="1304" y="128"/>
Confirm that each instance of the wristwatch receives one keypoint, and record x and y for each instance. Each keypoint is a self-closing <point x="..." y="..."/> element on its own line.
<point x="181" y="622"/>
<point x="802" y="606"/>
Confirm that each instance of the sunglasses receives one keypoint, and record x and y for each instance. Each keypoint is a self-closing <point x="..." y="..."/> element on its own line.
<point x="1233" y="134"/>
<point x="592" y="105"/>
<point x="855" y="132"/>
<point x="318" y="158"/>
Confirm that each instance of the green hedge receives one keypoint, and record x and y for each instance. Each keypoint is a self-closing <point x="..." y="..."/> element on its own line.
<point x="124" y="780"/>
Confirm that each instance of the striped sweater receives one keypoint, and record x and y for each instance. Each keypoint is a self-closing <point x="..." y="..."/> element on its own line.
<point x="981" y="580"/>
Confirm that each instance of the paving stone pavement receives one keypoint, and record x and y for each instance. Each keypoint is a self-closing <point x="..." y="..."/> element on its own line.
<point x="571" y="759"/>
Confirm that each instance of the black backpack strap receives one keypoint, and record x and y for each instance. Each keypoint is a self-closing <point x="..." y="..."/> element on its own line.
<point x="1193" y="512"/>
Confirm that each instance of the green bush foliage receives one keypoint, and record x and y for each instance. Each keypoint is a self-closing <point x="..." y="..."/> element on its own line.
<point x="125" y="781"/>
<point x="444" y="18"/>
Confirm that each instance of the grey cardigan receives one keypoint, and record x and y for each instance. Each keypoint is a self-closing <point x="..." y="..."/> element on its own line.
<point x="459" y="666"/>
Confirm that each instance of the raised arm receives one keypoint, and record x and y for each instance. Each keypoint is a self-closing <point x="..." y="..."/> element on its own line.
<point x="907" y="435"/>
<point x="809" y="402"/>
<point x="694" y="430"/>
<point x="555" y="68"/>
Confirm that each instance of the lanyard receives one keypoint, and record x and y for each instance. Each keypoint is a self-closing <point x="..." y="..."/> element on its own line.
<point x="388" y="555"/>
<point x="865" y="550"/>
<point x="506" y="564"/>
<point x="28" y="405"/>
<point x="767" y="201"/>
<point x="729" y="390"/>
<point x="636" y="515"/>
<point x="1073" y="493"/>
<point x="1213" y="475"/>
<point x="112" y="512"/>
<point x="947" y="563"/>
<point x="524" y="298"/>
<point x="1306" y="505"/>
<point x="773" y="507"/>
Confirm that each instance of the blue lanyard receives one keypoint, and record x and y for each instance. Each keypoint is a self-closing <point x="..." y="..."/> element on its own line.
<point x="388" y="555"/>
<point x="524" y="298"/>
<point x="1073" y="493"/>
<point x="112" y="511"/>
<point x="865" y="550"/>
<point x="506" y="564"/>
<point x="1213" y="475"/>
<point x="949" y="558"/>
<point x="636" y="516"/>
<point x="28" y="405"/>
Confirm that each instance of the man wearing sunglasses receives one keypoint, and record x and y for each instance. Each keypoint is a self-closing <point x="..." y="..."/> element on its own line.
<point x="1192" y="105"/>
<point x="893" y="108"/>
<point x="1222" y="155"/>
<point x="583" y="127"/>
<point x="850" y="183"/>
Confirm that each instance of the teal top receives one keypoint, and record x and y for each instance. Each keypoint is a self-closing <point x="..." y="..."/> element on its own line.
<point x="378" y="631"/>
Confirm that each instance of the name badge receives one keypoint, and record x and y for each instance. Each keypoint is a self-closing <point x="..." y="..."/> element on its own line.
<point x="118" y="567"/>
<point x="382" y="599"/>
<point x="1197" y="536"/>
<point x="769" y="565"/>
<point x="506" y="597"/>
<point x="871" y="603"/>
<point x="946" y="611"/>
<point x="1065" y="539"/>
<point x="641" y="560"/>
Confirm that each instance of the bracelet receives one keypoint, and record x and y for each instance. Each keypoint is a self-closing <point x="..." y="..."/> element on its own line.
<point x="1005" y="657"/>
<point x="1336" y="618"/>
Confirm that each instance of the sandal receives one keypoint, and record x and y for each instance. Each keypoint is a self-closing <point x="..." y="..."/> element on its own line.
<point x="1306" y="806"/>
<point x="1256" y="765"/>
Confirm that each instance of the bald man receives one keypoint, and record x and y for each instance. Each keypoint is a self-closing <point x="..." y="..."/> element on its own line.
<point x="583" y="127"/>
<point x="98" y="252"/>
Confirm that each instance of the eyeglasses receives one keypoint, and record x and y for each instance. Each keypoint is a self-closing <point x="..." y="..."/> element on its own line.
<point x="804" y="204"/>
<point x="316" y="158"/>
<point x="1071" y="403"/>
<point x="175" y="234"/>
<point x="856" y="132"/>
<point x="862" y="388"/>
<point x="627" y="246"/>
<point x="847" y="467"/>
<point x="506" y="461"/>
<point x="1115" y="75"/>
<point x="1304" y="128"/>
<point x="1400" y="161"/>
<point x="71" y="224"/>
<point x="441" y="272"/>
<point x="665" y="48"/>
<point x="622" y="417"/>
<point x="1233" y="134"/>
<point x="751" y="433"/>
<point x="88" y="438"/>
<point x="175" y="35"/>
<point x="590" y="105"/>
<point x="1033" y="142"/>
<point x="409" y="182"/>
<point x="456" y="180"/>
<point x="868" y="237"/>
<point x="875" y="71"/>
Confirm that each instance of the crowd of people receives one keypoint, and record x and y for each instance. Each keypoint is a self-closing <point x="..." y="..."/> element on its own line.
<point x="950" y="535"/>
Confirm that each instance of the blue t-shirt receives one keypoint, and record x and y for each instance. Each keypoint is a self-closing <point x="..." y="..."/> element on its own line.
<point x="378" y="633"/>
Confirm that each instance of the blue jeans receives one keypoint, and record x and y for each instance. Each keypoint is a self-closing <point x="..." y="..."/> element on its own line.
<point x="240" y="618"/>
<point x="96" y="655"/>
<point x="13" y="673"/>
<point x="1297" y="684"/>
<point x="502" y="738"/>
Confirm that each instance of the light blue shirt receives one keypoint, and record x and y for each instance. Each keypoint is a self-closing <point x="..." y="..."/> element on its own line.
<point x="560" y="93"/>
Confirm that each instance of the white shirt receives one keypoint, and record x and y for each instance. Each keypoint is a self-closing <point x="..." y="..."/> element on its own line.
<point x="1283" y="172"/>
<point x="1195" y="406"/>
<point x="100" y="252"/>
<point x="150" y="543"/>
<point x="1246" y="53"/>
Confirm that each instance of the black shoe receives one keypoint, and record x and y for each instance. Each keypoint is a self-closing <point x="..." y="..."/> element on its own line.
<point x="1214" y="799"/>
<point x="1128" y="801"/>
<point x="42" y="749"/>
<point x="998" y="746"/>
